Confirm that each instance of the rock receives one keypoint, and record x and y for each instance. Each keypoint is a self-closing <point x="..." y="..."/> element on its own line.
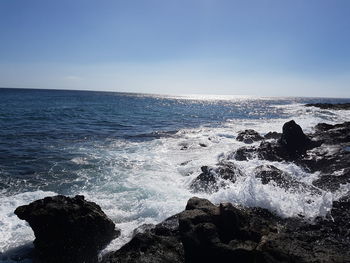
<point x="249" y="136"/>
<point x="332" y="134"/>
<point x="157" y="244"/>
<point x="272" y="135"/>
<point x="244" y="154"/>
<point x="205" y="232"/>
<point x="330" y="106"/>
<point x="67" y="229"/>
<point x="212" y="178"/>
<point x="269" y="173"/>
<point x="293" y="138"/>
<point x="291" y="146"/>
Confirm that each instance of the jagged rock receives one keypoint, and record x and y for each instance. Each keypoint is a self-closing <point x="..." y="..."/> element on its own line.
<point x="249" y="136"/>
<point x="212" y="178"/>
<point x="70" y="230"/>
<point x="268" y="173"/>
<point x="158" y="244"/>
<point x="292" y="145"/>
<point x="205" y="232"/>
<point x="330" y="106"/>
<point x="244" y="153"/>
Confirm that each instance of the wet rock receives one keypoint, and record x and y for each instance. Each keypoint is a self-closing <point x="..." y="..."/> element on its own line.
<point x="67" y="229"/>
<point x="249" y="136"/>
<point x="332" y="134"/>
<point x="330" y="106"/>
<point x="157" y="244"/>
<point x="272" y="135"/>
<point x="213" y="178"/>
<point x="244" y="154"/>
<point x="205" y="232"/>
<point x="269" y="173"/>
<point x="293" y="138"/>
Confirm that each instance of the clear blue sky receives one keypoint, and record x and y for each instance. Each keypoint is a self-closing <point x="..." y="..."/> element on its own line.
<point x="246" y="47"/>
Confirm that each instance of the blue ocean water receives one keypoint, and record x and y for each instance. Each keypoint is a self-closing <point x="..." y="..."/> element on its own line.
<point x="125" y="151"/>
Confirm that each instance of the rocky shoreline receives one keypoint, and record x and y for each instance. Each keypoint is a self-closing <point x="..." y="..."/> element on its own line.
<point x="73" y="229"/>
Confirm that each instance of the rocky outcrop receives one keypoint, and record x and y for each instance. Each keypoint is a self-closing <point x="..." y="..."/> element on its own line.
<point x="69" y="230"/>
<point x="293" y="138"/>
<point x="326" y="151"/>
<point x="226" y="233"/>
<point x="271" y="174"/>
<point x="330" y="106"/>
<point x="213" y="178"/>
<point x="249" y="136"/>
<point x="272" y="135"/>
<point x="152" y="244"/>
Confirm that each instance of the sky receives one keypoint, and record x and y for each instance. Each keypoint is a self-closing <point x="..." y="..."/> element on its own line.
<point x="237" y="47"/>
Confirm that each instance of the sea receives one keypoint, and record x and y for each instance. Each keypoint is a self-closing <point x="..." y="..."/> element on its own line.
<point x="136" y="154"/>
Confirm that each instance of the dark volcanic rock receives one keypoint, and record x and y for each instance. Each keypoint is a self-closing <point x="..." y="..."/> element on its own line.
<point x="327" y="151"/>
<point x="330" y="106"/>
<point x="208" y="233"/>
<point x="269" y="173"/>
<point x="272" y="135"/>
<point x="67" y="229"/>
<point x="293" y="138"/>
<point x="211" y="179"/>
<point x="160" y="244"/>
<point x="249" y="136"/>
<point x="244" y="153"/>
<point x="292" y="144"/>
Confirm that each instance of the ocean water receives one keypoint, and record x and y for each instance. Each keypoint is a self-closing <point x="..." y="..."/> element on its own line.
<point x="135" y="154"/>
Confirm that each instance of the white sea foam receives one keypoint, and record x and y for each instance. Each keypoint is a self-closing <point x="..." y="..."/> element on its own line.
<point x="16" y="232"/>
<point x="145" y="182"/>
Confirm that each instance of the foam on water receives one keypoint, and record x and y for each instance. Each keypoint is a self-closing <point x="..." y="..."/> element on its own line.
<point x="15" y="232"/>
<point x="148" y="181"/>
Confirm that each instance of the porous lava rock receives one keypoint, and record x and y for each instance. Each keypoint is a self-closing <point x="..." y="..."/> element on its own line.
<point x="70" y="230"/>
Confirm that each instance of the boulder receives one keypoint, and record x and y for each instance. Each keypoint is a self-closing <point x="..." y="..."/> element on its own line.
<point x="249" y="136"/>
<point x="293" y="138"/>
<point x="66" y="229"/>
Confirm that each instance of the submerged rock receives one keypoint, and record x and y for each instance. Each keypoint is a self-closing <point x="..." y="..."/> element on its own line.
<point x="70" y="230"/>
<point x="249" y="136"/>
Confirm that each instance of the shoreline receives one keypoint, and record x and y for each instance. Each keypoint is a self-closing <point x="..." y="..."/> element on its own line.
<point x="249" y="247"/>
